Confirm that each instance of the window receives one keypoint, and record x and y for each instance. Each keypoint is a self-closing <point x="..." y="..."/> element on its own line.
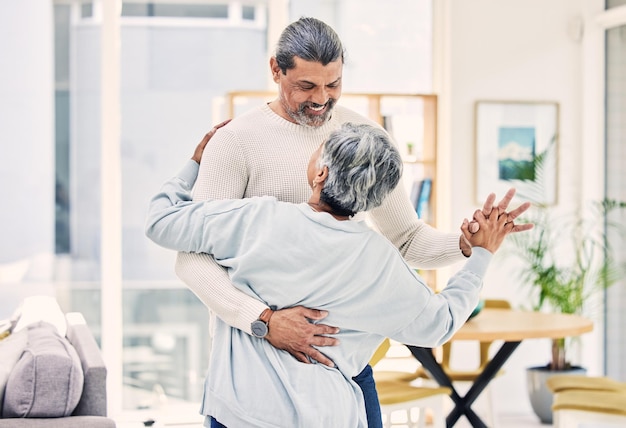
<point x="615" y="93"/>
<point x="175" y="10"/>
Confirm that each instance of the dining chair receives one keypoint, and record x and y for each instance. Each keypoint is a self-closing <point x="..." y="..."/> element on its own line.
<point x="560" y="383"/>
<point x="589" y="408"/>
<point x="406" y="404"/>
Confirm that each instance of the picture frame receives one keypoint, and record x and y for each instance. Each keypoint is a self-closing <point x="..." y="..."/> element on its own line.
<point x="516" y="145"/>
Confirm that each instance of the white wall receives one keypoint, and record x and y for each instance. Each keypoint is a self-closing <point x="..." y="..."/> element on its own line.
<point x="513" y="50"/>
<point x="27" y="143"/>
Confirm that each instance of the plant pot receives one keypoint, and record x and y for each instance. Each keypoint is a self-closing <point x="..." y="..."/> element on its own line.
<point x="539" y="394"/>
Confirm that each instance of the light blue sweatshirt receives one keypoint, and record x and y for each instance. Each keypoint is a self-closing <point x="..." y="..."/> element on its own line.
<point x="288" y="255"/>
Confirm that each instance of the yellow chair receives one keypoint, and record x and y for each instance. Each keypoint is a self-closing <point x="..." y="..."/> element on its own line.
<point x="406" y="400"/>
<point x="589" y="407"/>
<point x="560" y="383"/>
<point x="587" y="400"/>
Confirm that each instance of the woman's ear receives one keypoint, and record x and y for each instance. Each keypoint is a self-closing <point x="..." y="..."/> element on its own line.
<point x="320" y="176"/>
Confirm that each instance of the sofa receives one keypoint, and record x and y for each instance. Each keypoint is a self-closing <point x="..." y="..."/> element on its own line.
<point x="51" y="378"/>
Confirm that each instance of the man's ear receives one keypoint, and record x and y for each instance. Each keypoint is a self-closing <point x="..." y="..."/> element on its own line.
<point x="275" y="69"/>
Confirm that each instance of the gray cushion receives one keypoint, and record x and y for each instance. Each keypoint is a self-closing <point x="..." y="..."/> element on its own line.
<point x="69" y="422"/>
<point x="47" y="381"/>
<point x="11" y="348"/>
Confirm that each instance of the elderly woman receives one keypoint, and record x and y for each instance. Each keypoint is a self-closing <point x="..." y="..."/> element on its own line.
<point x="314" y="254"/>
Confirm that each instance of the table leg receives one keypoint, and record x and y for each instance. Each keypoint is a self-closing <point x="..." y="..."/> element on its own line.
<point x="463" y="404"/>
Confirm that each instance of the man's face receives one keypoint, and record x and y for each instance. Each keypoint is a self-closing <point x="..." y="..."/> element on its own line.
<point x="308" y="92"/>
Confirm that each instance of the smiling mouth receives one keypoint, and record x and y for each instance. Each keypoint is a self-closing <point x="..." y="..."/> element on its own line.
<point x="316" y="108"/>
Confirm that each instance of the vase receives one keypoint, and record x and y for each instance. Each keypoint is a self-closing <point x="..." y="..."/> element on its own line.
<point x="540" y="396"/>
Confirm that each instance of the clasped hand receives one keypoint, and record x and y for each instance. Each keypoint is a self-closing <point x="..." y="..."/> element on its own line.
<point x="489" y="226"/>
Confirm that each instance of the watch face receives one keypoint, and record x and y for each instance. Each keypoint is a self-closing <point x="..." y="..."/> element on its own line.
<point x="259" y="328"/>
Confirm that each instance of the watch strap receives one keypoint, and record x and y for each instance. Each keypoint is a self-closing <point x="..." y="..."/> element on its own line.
<point x="266" y="315"/>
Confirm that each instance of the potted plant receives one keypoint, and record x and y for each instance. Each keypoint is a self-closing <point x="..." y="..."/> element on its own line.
<point x="566" y="263"/>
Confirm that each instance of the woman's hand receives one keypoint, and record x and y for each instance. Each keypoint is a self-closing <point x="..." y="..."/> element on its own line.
<point x="490" y="225"/>
<point x="197" y="154"/>
<point x="488" y="207"/>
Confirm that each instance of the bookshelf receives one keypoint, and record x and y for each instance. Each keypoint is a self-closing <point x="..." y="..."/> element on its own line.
<point x="411" y="119"/>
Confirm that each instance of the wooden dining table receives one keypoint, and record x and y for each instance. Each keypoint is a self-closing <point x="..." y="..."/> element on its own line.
<point x="509" y="326"/>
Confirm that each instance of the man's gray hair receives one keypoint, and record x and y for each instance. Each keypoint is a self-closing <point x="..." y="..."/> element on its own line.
<point x="363" y="167"/>
<point x="309" y="39"/>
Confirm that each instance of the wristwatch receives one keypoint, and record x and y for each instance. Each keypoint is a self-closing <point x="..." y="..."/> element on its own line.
<point x="260" y="327"/>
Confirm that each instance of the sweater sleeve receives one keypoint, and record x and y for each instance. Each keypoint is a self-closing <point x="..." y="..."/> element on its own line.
<point x="222" y="175"/>
<point x="421" y="245"/>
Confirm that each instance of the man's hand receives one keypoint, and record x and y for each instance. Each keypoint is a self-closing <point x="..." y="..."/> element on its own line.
<point x="501" y="207"/>
<point x="490" y="225"/>
<point x="291" y="331"/>
<point x="492" y="231"/>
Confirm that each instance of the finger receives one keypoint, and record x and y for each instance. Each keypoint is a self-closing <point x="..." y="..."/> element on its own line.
<point x="522" y="227"/>
<point x="199" y="150"/>
<point x="519" y="210"/>
<point x="488" y="206"/>
<point x="213" y="130"/>
<point x="205" y="140"/>
<point x="321" y="329"/>
<point x="503" y="220"/>
<point x="324" y="341"/>
<point x="480" y="216"/>
<point x="465" y="229"/>
<point x="474" y="226"/>
<point x="316" y="355"/>
<point x="300" y="357"/>
<point x="313" y="314"/>
<point x="219" y="125"/>
<point x="506" y="200"/>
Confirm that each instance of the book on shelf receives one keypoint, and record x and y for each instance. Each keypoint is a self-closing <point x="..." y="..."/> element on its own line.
<point x="420" y="196"/>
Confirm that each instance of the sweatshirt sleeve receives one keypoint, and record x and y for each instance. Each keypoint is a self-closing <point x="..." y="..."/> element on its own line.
<point x="445" y="313"/>
<point x="222" y="174"/>
<point x="174" y="221"/>
<point x="421" y="245"/>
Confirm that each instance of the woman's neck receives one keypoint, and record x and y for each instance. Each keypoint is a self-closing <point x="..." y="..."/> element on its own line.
<point x="320" y="206"/>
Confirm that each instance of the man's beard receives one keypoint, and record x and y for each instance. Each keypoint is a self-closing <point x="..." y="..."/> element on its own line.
<point x="311" y="120"/>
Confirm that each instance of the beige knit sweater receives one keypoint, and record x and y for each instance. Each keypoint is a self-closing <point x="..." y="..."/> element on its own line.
<point x="260" y="153"/>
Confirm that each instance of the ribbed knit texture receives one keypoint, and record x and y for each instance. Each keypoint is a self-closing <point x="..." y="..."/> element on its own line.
<point x="260" y="153"/>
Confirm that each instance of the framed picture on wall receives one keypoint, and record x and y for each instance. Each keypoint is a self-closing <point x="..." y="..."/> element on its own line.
<point x="516" y="146"/>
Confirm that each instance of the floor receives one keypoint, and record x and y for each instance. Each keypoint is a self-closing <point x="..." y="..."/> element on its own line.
<point x="502" y="420"/>
<point x="184" y="415"/>
<point x="520" y="420"/>
<point x="172" y="416"/>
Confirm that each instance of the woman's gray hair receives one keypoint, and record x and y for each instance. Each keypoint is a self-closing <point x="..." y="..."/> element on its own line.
<point x="364" y="166"/>
<point x="309" y="39"/>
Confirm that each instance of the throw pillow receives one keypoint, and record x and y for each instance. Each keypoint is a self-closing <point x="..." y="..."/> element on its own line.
<point x="11" y="348"/>
<point x="47" y="381"/>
